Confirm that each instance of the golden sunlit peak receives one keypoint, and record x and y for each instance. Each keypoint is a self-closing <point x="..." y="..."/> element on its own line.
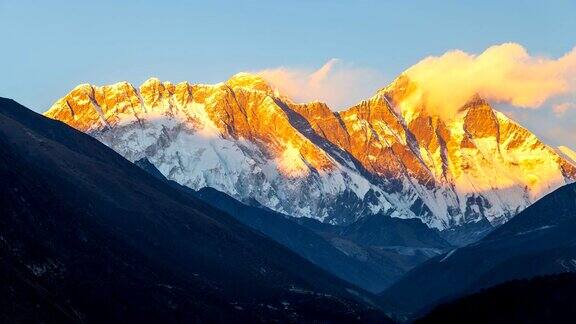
<point x="82" y="86"/>
<point x="401" y="84"/>
<point x="152" y="80"/>
<point x="475" y="101"/>
<point x="249" y="81"/>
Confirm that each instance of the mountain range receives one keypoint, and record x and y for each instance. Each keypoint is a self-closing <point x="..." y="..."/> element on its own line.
<point x="385" y="155"/>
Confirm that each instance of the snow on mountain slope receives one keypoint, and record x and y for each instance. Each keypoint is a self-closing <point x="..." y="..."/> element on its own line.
<point x="232" y="136"/>
<point x="385" y="154"/>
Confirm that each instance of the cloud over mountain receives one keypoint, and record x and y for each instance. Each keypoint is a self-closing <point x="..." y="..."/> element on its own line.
<point x="504" y="73"/>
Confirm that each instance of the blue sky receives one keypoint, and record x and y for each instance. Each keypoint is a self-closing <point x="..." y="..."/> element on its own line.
<point x="51" y="46"/>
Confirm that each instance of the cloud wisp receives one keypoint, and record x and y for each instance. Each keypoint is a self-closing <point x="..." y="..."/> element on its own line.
<point x="561" y="108"/>
<point x="336" y="83"/>
<point x="504" y="73"/>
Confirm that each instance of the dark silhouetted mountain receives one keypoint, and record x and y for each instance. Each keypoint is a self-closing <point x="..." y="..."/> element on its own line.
<point x="549" y="299"/>
<point x="147" y="166"/>
<point x="86" y="236"/>
<point x="538" y="241"/>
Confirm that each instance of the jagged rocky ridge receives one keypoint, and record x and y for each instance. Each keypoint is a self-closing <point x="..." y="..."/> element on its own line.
<point x="385" y="154"/>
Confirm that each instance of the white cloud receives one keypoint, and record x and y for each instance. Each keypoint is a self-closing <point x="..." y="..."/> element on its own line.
<point x="503" y="73"/>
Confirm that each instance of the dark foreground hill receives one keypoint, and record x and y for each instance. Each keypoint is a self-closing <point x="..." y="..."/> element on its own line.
<point x="87" y="236"/>
<point x="549" y="299"/>
<point x="538" y="241"/>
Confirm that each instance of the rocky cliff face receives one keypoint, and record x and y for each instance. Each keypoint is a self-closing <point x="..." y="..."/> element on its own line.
<point x="385" y="154"/>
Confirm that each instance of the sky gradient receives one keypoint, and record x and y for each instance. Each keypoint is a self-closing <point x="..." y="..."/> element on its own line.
<point x="50" y="47"/>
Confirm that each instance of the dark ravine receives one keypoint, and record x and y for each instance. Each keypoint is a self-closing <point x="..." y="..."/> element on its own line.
<point x="538" y="241"/>
<point x="86" y="236"/>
